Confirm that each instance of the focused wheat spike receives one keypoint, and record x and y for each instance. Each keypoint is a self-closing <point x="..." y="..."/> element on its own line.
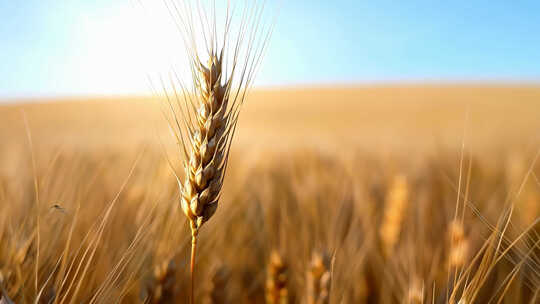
<point x="205" y="123"/>
<point x="394" y="211"/>
<point x="459" y="244"/>
<point x="276" y="281"/>
<point x="205" y="167"/>
<point x="318" y="280"/>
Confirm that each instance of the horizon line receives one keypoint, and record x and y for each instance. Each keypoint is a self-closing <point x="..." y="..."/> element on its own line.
<point x="35" y="98"/>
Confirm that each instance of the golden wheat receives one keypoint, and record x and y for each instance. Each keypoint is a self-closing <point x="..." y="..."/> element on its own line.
<point x="276" y="282"/>
<point x="211" y="111"/>
<point x="162" y="287"/>
<point x="459" y="244"/>
<point x="394" y="209"/>
<point x="319" y="280"/>
<point x="14" y="274"/>
<point x="217" y="292"/>
<point x="416" y="292"/>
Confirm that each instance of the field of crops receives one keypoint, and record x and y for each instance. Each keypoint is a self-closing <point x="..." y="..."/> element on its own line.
<point x="405" y="194"/>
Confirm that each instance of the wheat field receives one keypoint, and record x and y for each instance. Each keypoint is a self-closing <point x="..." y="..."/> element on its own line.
<point x="381" y="194"/>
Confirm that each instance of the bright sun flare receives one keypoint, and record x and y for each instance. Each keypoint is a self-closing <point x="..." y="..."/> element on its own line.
<point x="127" y="46"/>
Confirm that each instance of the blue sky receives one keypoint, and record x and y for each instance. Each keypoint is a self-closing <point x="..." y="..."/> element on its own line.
<point x="80" y="47"/>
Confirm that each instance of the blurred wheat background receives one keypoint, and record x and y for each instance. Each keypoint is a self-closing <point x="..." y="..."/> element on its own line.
<point x="363" y="179"/>
<point x="334" y="193"/>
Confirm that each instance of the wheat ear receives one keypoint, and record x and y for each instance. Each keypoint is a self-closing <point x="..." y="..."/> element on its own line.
<point x="394" y="212"/>
<point x="318" y="280"/>
<point x="459" y="244"/>
<point x="276" y="281"/>
<point x="204" y="124"/>
<point x="162" y="287"/>
<point x="217" y="292"/>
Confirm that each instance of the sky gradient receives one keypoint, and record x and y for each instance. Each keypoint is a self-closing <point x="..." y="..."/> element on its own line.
<point x="78" y="47"/>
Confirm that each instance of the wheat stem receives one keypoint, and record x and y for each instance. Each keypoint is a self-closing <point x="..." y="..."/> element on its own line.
<point x="192" y="266"/>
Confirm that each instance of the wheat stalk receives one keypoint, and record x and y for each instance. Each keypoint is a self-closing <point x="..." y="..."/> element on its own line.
<point x="205" y="123"/>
